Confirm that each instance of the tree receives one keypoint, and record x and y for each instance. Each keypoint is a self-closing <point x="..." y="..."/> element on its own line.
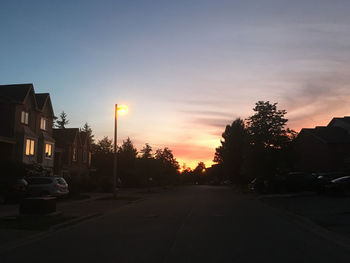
<point x="146" y="151"/>
<point x="126" y="163"/>
<point x="102" y="160"/>
<point x="87" y="128"/>
<point x="103" y="146"/>
<point x="167" y="158"/>
<point x="269" y="139"/>
<point x="127" y="149"/>
<point x="62" y="121"/>
<point x="233" y="149"/>
<point x="168" y="166"/>
<point x="267" y="126"/>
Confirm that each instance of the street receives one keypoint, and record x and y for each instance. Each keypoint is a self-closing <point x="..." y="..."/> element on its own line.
<point x="184" y="224"/>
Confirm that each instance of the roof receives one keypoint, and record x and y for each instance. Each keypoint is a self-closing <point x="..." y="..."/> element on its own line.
<point x="15" y="92"/>
<point x="345" y="119"/>
<point x="328" y="134"/>
<point x="65" y="136"/>
<point x="41" y="99"/>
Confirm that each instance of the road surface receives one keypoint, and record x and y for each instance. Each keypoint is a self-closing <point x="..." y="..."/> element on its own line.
<point x="186" y="224"/>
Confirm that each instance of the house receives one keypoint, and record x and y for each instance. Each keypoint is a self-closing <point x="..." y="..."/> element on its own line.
<point x="73" y="155"/>
<point x="26" y="125"/>
<point x="341" y="122"/>
<point x="323" y="149"/>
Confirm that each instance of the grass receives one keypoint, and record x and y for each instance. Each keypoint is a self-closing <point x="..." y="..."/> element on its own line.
<point x="34" y="223"/>
<point x="126" y="198"/>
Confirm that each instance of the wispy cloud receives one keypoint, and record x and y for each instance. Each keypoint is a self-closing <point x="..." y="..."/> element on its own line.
<point x="319" y="97"/>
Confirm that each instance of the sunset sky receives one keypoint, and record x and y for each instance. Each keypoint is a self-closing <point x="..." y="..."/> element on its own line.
<point x="184" y="68"/>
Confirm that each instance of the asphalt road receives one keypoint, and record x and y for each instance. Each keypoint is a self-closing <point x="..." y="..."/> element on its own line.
<point x="187" y="224"/>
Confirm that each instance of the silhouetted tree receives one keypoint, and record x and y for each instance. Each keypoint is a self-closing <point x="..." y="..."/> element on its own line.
<point x="102" y="161"/>
<point x="62" y="121"/>
<point x="267" y="126"/>
<point x="103" y="146"/>
<point x="233" y="149"/>
<point x="199" y="173"/>
<point x="126" y="163"/>
<point x="167" y="166"/>
<point x="146" y="151"/>
<point x="269" y="140"/>
<point x="87" y="128"/>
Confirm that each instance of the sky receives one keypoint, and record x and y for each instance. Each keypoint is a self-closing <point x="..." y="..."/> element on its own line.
<point x="186" y="69"/>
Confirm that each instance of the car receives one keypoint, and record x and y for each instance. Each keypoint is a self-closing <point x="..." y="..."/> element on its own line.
<point x="339" y="186"/>
<point x="322" y="179"/>
<point x="299" y="181"/>
<point x="47" y="186"/>
<point x="12" y="189"/>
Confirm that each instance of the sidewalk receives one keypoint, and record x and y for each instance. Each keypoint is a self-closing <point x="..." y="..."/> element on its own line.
<point x="79" y="210"/>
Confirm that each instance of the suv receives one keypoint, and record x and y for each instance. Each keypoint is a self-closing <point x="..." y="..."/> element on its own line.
<point x="47" y="186"/>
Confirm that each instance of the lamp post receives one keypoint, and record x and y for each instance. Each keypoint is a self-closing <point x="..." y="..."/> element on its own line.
<point x="122" y="109"/>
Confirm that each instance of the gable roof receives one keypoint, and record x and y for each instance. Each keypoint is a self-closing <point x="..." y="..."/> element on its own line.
<point x="41" y="99"/>
<point x="328" y="134"/>
<point x="15" y="92"/>
<point x="345" y="119"/>
<point x="65" y="136"/>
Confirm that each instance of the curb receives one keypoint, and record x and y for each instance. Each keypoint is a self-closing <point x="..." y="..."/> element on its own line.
<point x="287" y="195"/>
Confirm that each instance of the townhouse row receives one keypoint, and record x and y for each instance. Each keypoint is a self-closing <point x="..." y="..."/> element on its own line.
<point x="27" y="134"/>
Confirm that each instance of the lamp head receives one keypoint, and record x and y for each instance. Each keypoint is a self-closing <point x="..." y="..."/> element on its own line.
<point x="123" y="109"/>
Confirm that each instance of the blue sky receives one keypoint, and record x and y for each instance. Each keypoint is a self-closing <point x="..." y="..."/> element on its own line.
<point x="185" y="68"/>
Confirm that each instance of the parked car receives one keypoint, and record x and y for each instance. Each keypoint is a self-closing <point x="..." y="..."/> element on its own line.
<point x="47" y="186"/>
<point x="12" y="189"/>
<point x="300" y="181"/>
<point x="339" y="186"/>
<point x="323" y="179"/>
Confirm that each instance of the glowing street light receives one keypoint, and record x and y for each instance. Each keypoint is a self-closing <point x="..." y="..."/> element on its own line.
<point x="123" y="110"/>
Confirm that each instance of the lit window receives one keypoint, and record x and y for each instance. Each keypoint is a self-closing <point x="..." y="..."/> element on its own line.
<point x="48" y="150"/>
<point x="43" y="124"/>
<point x="24" y="117"/>
<point x="30" y="146"/>
<point x="74" y="154"/>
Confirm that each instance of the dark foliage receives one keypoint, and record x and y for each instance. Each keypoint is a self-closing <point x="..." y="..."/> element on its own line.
<point x="261" y="147"/>
<point x="62" y="121"/>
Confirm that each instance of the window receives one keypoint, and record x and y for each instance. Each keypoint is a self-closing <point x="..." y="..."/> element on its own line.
<point x="30" y="146"/>
<point x="24" y="117"/>
<point x="43" y="124"/>
<point x="48" y="150"/>
<point x="74" y="154"/>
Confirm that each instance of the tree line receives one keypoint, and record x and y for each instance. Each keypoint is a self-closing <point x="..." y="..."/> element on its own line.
<point x="134" y="168"/>
<point x="259" y="146"/>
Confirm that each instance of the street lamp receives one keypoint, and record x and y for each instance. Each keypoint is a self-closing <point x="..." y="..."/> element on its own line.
<point x="123" y="110"/>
